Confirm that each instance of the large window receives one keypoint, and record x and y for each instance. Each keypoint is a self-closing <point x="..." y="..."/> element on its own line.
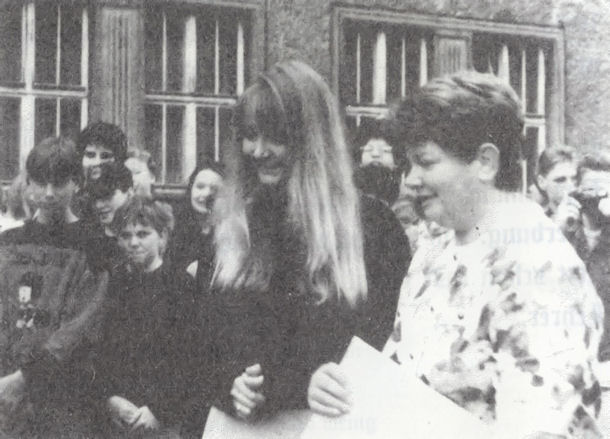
<point x="378" y="56"/>
<point x="196" y="66"/>
<point x="44" y="54"/>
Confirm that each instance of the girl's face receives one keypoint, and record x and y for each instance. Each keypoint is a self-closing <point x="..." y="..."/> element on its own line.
<point x="143" y="246"/>
<point x="93" y="157"/>
<point x="204" y="190"/>
<point x="443" y="185"/>
<point x="271" y="160"/>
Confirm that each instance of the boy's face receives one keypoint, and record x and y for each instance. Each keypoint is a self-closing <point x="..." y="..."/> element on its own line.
<point x="107" y="207"/>
<point x="52" y="200"/>
<point x="142" y="245"/>
<point x="94" y="156"/>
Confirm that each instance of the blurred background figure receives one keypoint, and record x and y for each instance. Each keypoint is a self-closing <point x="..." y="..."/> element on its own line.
<point x="107" y="194"/>
<point x="377" y="172"/>
<point x="556" y="177"/>
<point x="585" y="216"/>
<point x="19" y="204"/>
<point x="192" y="246"/>
<point x="143" y="169"/>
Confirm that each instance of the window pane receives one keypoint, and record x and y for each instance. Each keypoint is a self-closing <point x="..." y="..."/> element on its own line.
<point x="175" y="116"/>
<point x="205" y="134"/>
<point x="71" y="44"/>
<point x="228" y="52"/>
<point x="530" y="152"/>
<point x="10" y="43"/>
<point x="175" y="50"/>
<point x="367" y="42"/>
<point x="46" y="42"/>
<point x="205" y="53"/>
<point x="532" y="79"/>
<point x="347" y="78"/>
<point x="394" y="63"/>
<point x="45" y="118"/>
<point x="9" y="137"/>
<point x="153" y="26"/>
<point x="69" y="125"/>
<point x="224" y="124"/>
<point x="413" y="53"/>
<point x="152" y="134"/>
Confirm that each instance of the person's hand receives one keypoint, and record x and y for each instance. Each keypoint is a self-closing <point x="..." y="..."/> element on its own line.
<point x="567" y="214"/>
<point x="145" y="420"/>
<point x="245" y="391"/>
<point x="12" y="393"/>
<point x="192" y="269"/>
<point x="122" y="412"/>
<point x="328" y="393"/>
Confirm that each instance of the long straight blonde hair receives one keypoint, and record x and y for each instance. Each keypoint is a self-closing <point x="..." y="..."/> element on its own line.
<point x="292" y="105"/>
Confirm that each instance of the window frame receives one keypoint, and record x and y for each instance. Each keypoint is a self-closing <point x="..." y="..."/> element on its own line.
<point x="462" y="28"/>
<point x="27" y="89"/>
<point x="251" y="59"/>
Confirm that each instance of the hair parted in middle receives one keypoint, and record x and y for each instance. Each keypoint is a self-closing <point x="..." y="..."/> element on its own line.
<point x="293" y="106"/>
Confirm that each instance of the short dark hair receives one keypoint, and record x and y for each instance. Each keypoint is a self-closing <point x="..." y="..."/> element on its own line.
<point x="460" y="113"/>
<point x="54" y="160"/>
<point x="104" y="134"/>
<point x="550" y="157"/>
<point x="144" y="211"/>
<point x="113" y="176"/>
<point x="594" y="161"/>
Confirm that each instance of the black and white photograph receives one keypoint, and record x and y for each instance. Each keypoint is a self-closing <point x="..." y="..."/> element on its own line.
<point x="304" y="219"/>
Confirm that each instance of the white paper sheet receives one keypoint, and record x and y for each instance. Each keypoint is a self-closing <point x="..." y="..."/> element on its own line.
<point x="285" y="425"/>
<point x="388" y="404"/>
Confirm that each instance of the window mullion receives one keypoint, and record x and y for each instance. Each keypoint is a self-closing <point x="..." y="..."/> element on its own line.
<point x="504" y="65"/>
<point x="27" y="123"/>
<point x="164" y="58"/>
<point x="216" y="133"/>
<point x="524" y="80"/>
<point x="358" y="68"/>
<point x="84" y="68"/>
<point x="240" y="58"/>
<point x="423" y="62"/>
<point x="58" y="47"/>
<point x="380" y="69"/>
<point x="403" y="67"/>
<point x="216" y="57"/>
<point x="164" y="142"/>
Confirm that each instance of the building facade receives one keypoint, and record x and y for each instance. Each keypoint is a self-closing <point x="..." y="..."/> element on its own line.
<point x="168" y="71"/>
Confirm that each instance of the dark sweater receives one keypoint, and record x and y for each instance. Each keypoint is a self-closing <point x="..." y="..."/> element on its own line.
<point x="139" y="357"/>
<point x="283" y="328"/>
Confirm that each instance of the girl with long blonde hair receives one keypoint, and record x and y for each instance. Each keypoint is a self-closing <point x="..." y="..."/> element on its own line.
<point x="302" y="263"/>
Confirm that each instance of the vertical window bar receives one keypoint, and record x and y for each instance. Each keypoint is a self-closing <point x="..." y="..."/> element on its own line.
<point x="423" y="62"/>
<point x="189" y="78"/>
<point x="503" y="65"/>
<point x="58" y="51"/>
<point x="84" y="67"/>
<point x="164" y="71"/>
<point x="189" y="82"/>
<point x="524" y="80"/>
<point x="403" y="68"/>
<point x="216" y="133"/>
<point x="358" y="66"/>
<point x="57" y="117"/>
<point x="164" y="141"/>
<point x="380" y="69"/>
<point x="541" y="83"/>
<point x="27" y="123"/>
<point x="240" y="58"/>
<point x="216" y="57"/>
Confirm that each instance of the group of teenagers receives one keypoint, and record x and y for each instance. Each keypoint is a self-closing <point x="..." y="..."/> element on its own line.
<point x="122" y="316"/>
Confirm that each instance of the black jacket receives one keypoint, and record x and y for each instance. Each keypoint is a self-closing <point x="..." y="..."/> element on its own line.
<point x="286" y="331"/>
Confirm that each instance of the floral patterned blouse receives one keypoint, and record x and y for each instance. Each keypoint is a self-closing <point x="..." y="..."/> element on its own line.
<point x="507" y="326"/>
